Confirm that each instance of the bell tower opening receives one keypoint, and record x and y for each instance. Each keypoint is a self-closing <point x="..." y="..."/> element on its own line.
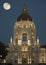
<point x="24" y="37"/>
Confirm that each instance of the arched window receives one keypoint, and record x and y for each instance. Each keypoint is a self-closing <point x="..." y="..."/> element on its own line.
<point x="24" y="37"/>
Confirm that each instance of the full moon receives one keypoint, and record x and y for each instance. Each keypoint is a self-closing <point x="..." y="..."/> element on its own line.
<point x="6" y="6"/>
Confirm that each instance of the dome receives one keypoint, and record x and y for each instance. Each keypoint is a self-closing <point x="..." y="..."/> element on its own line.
<point x="24" y="15"/>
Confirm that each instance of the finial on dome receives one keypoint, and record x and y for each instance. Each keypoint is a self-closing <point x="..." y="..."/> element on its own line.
<point x="24" y="9"/>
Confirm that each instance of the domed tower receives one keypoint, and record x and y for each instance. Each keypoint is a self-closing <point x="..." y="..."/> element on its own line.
<point x="24" y="28"/>
<point x="24" y="45"/>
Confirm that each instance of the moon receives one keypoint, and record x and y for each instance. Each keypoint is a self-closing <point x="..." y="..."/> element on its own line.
<point x="6" y="6"/>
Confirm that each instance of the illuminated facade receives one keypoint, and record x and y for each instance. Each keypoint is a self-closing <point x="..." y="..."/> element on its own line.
<point x="24" y="46"/>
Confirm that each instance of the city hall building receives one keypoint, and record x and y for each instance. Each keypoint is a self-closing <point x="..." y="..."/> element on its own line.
<point x="24" y="46"/>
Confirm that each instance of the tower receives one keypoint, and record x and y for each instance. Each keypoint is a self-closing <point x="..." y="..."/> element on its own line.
<point x="24" y="47"/>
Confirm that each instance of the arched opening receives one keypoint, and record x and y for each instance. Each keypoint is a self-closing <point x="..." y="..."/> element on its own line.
<point x="32" y="60"/>
<point x="24" y="58"/>
<point x="24" y="37"/>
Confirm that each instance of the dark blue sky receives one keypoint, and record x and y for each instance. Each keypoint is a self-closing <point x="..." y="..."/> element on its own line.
<point x="36" y="8"/>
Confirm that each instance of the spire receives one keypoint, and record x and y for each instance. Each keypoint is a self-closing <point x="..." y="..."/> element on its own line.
<point x="11" y="40"/>
<point x="24" y="9"/>
<point x="38" y="42"/>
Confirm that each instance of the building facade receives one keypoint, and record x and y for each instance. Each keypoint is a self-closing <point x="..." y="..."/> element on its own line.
<point x="24" y="47"/>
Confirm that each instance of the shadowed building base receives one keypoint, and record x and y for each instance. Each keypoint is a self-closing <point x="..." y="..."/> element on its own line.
<point x="22" y="64"/>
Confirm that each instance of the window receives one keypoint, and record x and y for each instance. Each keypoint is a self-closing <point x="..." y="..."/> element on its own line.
<point x="24" y="37"/>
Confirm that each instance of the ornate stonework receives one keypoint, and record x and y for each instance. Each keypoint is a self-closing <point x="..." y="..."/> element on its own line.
<point x="24" y="47"/>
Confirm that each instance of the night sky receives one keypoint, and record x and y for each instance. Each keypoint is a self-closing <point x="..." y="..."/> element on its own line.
<point x="36" y="8"/>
